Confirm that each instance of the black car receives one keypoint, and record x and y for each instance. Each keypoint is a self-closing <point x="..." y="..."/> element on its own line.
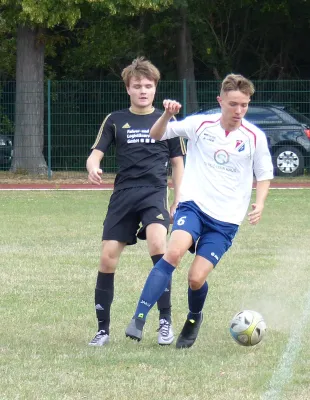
<point x="288" y="136"/>
<point x="6" y="151"/>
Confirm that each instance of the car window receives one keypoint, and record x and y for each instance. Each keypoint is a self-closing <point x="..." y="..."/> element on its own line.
<point x="266" y="116"/>
<point x="299" y="117"/>
<point x="262" y="116"/>
<point x="259" y="116"/>
<point x="212" y="111"/>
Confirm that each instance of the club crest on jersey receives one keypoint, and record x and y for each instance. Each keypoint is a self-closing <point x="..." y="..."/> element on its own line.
<point x="240" y="145"/>
<point x="221" y="157"/>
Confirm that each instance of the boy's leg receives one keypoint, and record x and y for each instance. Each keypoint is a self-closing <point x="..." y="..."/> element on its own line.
<point x="165" y="330"/>
<point x="104" y="291"/>
<point x="211" y="247"/>
<point x="157" y="280"/>
<point x="164" y="302"/>
<point x="155" y="224"/>
<point x="197" y="293"/>
<point x="154" y="286"/>
<point x="119" y="229"/>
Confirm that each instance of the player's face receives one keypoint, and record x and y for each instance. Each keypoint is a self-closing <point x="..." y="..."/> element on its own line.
<point x="234" y="105"/>
<point x="141" y="92"/>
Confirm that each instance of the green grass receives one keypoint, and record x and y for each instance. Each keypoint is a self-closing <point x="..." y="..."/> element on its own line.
<point x="50" y="245"/>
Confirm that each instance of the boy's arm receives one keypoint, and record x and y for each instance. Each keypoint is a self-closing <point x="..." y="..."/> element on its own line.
<point x="262" y="189"/>
<point x="159" y="128"/>
<point x="93" y="167"/>
<point x="177" y="164"/>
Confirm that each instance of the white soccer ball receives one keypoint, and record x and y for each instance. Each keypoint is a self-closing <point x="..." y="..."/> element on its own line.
<point x="248" y="328"/>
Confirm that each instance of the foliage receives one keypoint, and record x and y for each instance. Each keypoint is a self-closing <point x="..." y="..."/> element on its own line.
<point x="6" y="125"/>
<point x="50" y="13"/>
<point x="7" y="51"/>
<point x="96" y="38"/>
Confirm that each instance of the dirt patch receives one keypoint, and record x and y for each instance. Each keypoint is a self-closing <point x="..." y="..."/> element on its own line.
<point x="56" y="179"/>
<point x="70" y="179"/>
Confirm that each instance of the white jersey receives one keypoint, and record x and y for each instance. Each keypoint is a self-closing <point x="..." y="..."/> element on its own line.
<point x="219" y="165"/>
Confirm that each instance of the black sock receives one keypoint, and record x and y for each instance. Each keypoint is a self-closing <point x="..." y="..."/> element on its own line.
<point x="164" y="302"/>
<point x="104" y="293"/>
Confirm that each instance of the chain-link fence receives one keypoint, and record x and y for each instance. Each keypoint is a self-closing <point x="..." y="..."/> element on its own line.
<point x="58" y="134"/>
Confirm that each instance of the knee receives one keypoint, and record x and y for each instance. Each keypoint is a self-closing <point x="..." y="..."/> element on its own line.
<point x="195" y="282"/>
<point x="173" y="256"/>
<point x="157" y="244"/>
<point x="108" y="262"/>
<point x="157" y="247"/>
<point x="156" y="236"/>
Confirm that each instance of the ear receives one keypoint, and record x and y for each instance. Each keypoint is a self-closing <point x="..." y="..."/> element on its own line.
<point x="127" y="88"/>
<point x="219" y="99"/>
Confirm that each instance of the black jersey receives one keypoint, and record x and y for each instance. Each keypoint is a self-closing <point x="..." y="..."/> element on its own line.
<point x="141" y="160"/>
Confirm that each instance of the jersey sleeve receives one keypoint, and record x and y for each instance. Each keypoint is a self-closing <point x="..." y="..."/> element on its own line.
<point x="185" y="128"/>
<point x="262" y="165"/>
<point x="176" y="147"/>
<point x="106" y="135"/>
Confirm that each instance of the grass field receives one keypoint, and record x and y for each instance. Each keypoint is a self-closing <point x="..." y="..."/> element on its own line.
<point x="50" y="244"/>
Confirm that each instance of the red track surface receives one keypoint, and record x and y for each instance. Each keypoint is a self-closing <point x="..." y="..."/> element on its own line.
<point x="54" y="186"/>
<point x="76" y="186"/>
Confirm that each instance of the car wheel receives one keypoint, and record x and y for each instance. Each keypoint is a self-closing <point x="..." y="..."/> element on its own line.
<point x="288" y="161"/>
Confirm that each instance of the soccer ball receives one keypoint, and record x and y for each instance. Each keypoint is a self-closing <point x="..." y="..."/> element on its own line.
<point x="248" y="328"/>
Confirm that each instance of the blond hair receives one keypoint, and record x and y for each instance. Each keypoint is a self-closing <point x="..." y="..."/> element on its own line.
<point x="237" y="82"/>
<point x="140" y="68"/>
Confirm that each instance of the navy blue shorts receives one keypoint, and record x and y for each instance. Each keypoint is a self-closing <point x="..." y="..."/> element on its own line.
<point x="211" y="238"/>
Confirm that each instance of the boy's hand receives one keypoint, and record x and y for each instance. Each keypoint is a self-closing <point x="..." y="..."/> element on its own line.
<point x="171" y="107"/>
<point x="94" y="176"/>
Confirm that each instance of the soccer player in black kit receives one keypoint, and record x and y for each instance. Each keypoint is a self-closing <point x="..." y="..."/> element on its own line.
<point x="138" y="206"/>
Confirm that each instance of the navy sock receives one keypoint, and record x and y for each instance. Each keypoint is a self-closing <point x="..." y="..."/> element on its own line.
<point x="154" y="287"/>
<point x="196" y="300"/>
<point x="164" y="302"/>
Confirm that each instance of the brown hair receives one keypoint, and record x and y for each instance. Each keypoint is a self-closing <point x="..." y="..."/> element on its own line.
<point x="237" y="82"/>
<point x="140" y="68"/>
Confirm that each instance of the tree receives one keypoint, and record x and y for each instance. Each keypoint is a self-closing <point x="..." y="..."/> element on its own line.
<point x="31" y="20"/>
<point x="185" y="60"/>
<point x="260" y="39"/>
<point x="29" y="104"/>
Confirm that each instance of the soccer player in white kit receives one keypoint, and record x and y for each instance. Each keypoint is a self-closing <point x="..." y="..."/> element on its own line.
<point x="223" y="152"/>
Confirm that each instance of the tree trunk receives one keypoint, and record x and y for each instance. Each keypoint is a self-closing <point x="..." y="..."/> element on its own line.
<point x="29" y="108"/>
<point x="185" y="63"/>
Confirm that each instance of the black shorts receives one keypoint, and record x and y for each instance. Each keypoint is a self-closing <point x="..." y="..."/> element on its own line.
<point x="130" y="211"/>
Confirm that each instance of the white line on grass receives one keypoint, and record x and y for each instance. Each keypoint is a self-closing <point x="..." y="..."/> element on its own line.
<point x="283" y="373"/>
